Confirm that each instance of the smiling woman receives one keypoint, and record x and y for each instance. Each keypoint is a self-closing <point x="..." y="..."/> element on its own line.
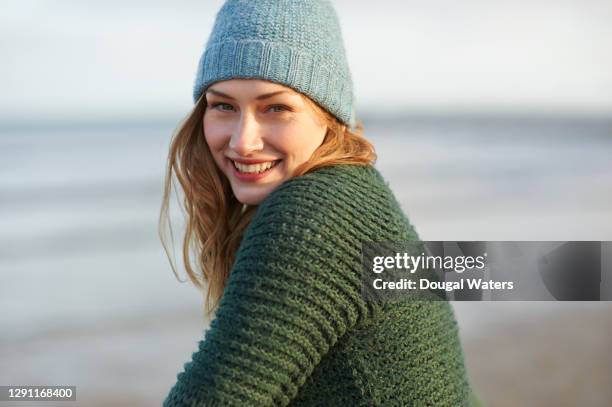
<point x="222" y="192"/>
<point x="280" y="194"/>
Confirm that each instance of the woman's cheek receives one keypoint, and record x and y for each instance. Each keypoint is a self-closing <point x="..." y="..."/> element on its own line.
<point x="291" y="141"/>
<point x="215" y="137"/>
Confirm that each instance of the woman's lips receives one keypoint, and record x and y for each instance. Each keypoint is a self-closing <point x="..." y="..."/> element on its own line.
<point x="251" y="176"/>
<point x="253" y="160"/>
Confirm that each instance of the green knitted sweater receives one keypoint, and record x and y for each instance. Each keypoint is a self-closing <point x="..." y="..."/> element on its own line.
<point x="293" y="328"/>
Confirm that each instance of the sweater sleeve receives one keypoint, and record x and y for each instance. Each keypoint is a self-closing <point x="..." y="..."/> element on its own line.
<point x="293" y="291"/>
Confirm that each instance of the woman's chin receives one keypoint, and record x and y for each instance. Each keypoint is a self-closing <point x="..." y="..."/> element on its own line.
<point x="252" y="195"/>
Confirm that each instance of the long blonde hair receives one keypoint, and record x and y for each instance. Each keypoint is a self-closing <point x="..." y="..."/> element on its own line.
<point x="215" y="219"/>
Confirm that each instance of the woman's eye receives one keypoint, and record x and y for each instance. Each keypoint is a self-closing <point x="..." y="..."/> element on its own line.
<point x="278" y="108"/>
<point x="225" y="107"/>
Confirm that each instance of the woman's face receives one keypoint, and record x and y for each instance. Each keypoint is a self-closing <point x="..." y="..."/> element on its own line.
<point x="259" y="132"/>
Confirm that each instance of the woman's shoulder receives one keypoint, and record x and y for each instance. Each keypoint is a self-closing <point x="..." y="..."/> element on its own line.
<point x="342" y="196"/>
<point x="337" y="184"/>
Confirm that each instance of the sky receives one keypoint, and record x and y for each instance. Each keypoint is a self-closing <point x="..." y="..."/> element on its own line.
<point x="69" y="59"/>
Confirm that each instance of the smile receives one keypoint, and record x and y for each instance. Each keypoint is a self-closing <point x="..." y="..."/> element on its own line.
<point x="254" y="168"/>
<point x="252" y="172"/>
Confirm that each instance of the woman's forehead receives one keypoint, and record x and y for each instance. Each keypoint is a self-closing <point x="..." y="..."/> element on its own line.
<point x="250" y="86"/>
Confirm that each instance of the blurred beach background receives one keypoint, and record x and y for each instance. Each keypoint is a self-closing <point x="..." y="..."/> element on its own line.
<point x="492" y="121"/>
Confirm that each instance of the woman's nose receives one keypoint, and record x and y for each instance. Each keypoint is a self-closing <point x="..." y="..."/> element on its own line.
<point x="246" y="138"/>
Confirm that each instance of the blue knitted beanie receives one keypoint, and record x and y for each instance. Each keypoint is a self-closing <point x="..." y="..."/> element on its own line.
<point x="297" y="43"/>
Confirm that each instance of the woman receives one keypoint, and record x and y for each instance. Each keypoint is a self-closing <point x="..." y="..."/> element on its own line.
<point x="280" y="193"/>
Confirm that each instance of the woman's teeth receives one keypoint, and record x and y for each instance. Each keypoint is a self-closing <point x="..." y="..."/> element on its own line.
<point x="253" y="168"/>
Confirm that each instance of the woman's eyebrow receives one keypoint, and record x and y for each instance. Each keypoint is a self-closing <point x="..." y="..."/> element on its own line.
<point x="260" y="97"/>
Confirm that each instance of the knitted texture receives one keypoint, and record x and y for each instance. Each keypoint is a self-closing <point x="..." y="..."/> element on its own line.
<point x="297" y="43"/>
<point x="292" y="328"/>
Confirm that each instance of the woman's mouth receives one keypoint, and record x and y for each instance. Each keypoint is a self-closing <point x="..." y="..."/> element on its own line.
<point x="252" y="172"/>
